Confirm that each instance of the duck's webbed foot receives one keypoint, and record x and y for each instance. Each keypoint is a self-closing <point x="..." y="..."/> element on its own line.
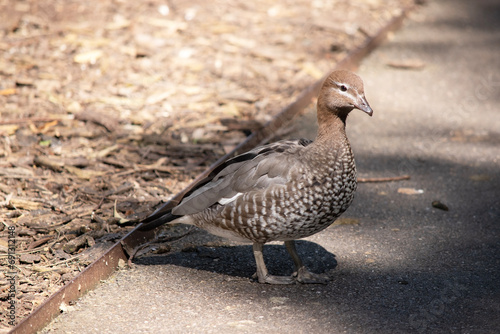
<point x="302" y="274"/>
<point x="262" y="274"/>
<point x="305" y="276"/>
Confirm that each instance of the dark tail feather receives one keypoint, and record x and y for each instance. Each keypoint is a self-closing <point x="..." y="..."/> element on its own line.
<point x="161" y="216"/>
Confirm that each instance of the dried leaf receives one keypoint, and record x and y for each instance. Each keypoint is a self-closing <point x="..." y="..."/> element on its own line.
<point x="4" y="245"/>
<point x="121" y="101"/>
<point x="222" y="28"/>
<point x="170" y="25"/>
<point x="312" y="70"/>
<point x="197" y="123"/>
<point x="116" y="214"/>
<point x="89" y="57"/>
<point x="47" y="126"/>
<point x="119" y="22"/>
<point x="105" y="152"/>
<point x="159" y="96"/>
<point x="408" y="64"/>
<point x="84" y="173"/>
<point x="109" y="123"/>
<point x="8" y="130"/>
<point x="410" y="191"/>
<point x="40" y="269"/>
<point x="239" y="95"/>
<point x="8" y="91"/>
<point x="73" y="107"/>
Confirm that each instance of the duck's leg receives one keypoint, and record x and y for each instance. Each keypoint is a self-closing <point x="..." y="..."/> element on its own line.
<point x="302" y="274"/>
<point x="262" y="273"/>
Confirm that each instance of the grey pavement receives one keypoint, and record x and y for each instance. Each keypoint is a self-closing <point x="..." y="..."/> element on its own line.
<point x="398" y="265"/>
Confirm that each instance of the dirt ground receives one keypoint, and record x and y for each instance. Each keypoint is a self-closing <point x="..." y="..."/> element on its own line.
<point x="110" y="107"/>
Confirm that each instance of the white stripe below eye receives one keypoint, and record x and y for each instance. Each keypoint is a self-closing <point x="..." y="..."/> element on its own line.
<point x="224" y="201"/>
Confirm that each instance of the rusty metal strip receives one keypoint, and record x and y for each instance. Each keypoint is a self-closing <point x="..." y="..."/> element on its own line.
<point x="81" y="284"/>
<point x="103" y="267"/>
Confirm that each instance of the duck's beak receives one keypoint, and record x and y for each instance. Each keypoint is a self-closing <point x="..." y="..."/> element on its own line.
<point x="364" y="106"/>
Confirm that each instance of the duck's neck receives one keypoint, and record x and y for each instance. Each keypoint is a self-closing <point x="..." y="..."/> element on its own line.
<point x="331" y="128"/>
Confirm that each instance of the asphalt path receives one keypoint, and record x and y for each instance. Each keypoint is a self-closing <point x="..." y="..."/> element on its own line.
<point x="398" y="264"/>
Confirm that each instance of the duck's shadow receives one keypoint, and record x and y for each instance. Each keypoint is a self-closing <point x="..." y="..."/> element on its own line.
<point x="239" y="260"/>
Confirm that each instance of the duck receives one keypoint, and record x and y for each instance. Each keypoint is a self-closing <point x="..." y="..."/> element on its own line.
<point x="283" y="191"/>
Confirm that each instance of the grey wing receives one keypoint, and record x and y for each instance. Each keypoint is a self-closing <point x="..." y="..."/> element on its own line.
<point x="255" y="169"/>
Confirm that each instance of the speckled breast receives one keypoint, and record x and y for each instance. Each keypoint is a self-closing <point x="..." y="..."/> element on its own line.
<point x="313" y="205"/>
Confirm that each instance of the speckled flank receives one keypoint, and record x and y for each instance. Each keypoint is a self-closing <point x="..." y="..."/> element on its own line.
<point x="298" y="209"/>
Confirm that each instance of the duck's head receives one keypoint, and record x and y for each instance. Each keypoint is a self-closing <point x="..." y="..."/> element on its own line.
<point x="343" y="91"/>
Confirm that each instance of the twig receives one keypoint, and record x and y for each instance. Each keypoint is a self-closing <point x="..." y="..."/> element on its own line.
<point x="40" y="242"/>
<point x="97" y="207"/>
<point x="77" y="257"/>
<point x="32" y="119"/>
<point x="383" y="179"/>
<point x="21" y="40"/>
<point x="146" y="168"/>
<point x="31" y="251"/>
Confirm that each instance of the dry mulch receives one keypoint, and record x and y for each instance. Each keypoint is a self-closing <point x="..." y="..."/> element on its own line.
<point x="110" y="107"/>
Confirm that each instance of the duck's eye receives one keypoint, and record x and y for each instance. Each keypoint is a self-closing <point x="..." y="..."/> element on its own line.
<point x="343" y="88"/>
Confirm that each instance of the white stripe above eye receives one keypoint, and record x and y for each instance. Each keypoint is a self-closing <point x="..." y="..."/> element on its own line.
<point x="340" y="84"/>
<point x="224" y="201"/>
<point x="346" y="93"/>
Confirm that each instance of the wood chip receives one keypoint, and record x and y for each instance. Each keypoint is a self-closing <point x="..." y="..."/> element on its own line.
<point x="16" y="172"/>
<point x="110" y="124"/>
<point x="440" y="206"/>
<point x="48" y="162"/>
<point x="74" y="245"/>
<point x="20" y="203"/>
<point x="30" y="258"/>
<point x="408" y="64"/>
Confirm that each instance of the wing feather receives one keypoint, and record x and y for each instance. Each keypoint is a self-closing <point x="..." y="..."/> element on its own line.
<point x="256" y="169"/>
